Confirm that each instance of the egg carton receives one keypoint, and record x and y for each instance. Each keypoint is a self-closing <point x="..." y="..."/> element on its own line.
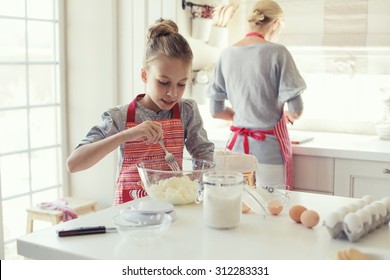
<point x="341" y="231"/>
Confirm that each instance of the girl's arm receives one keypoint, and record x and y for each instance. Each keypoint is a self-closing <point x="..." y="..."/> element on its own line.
<point x="88" y="155"/>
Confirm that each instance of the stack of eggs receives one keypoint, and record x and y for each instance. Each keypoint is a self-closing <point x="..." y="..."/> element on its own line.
<point x="356" y="220"/>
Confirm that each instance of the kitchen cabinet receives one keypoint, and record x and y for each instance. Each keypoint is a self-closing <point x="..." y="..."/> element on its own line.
<point x="356" y="178"/>
<point x="341" y="177"/>
<point x="313" y="174"/>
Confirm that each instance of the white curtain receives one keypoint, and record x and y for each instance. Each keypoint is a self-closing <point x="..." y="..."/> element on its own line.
<point x="345" y="22"/>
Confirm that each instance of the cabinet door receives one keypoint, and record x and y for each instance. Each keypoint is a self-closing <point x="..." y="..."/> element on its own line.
<point x="313" y="174"/>
<point x="378" y="188"/>
<point x="356" y="178"/>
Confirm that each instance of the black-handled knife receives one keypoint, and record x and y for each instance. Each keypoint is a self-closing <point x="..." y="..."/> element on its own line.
<point x="84" y="230"/>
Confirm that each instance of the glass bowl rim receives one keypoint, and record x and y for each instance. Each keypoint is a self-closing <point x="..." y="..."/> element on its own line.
<point x="165" y="221"/>
<point x="212" y="165"/>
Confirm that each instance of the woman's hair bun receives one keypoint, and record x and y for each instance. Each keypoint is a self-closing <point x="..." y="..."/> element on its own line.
<point x="265" y="11"/>
<point x="258" y="15"/>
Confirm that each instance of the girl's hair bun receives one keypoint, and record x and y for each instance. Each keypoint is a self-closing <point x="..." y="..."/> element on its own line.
<point x="162" y="27"/>
<point x="164" y="40"/>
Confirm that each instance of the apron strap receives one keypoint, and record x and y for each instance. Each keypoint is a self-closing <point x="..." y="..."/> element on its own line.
<point x="281" y="133"/>
<point x="255" y="134"/>
<point x="176" y="111"/>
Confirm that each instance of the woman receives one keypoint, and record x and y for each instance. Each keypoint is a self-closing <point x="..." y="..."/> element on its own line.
<point x="159" y="113"/>
<point x="258" y="77"/>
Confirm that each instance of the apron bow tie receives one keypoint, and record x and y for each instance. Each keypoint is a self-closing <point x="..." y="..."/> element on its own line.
<point x="255" y="134"/>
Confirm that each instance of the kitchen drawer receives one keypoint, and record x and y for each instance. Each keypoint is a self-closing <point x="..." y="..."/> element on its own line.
<point x="313" y="174"/>
<point x="377" y="188"/>
<point x="371" y="168"/>
<point x="356" y="178"/>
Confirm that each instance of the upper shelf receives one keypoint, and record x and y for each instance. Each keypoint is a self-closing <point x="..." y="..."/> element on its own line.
<point x="335" y="23"/>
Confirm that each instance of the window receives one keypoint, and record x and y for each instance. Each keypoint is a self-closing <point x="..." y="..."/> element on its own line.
<point x="345" y="88"/>
<point x="30" y="109"/>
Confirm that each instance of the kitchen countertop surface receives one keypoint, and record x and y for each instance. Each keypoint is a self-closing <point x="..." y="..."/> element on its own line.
<point x="269" y="238"/>
<point x="323" y="144"/>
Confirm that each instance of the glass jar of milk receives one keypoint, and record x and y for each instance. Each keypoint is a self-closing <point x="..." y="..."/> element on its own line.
<point x="222" y="191"/>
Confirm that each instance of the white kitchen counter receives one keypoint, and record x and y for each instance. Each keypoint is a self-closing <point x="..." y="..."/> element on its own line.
<point x="272" y="238"/>
<point x="337" y="145"/>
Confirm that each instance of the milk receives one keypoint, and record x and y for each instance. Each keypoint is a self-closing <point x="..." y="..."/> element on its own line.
<point x="222" y="207"/>
<point x="222" y="199"/>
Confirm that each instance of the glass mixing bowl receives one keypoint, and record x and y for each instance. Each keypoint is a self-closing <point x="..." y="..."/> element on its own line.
<point x="176" y="187"/>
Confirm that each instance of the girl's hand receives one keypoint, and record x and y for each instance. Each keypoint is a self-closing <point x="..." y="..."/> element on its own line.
<point x="149" y="131"/>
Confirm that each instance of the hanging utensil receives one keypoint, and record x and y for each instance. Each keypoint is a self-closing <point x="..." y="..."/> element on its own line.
<point x="221" y="15"/>
<point x="228" y="12"/>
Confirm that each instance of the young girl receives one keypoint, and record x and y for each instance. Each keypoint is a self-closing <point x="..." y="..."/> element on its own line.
<point x="258" y="77"/>
<point x="160" y="113"/>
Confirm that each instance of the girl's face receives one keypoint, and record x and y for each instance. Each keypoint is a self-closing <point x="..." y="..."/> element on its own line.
<point x="165" y="81"/>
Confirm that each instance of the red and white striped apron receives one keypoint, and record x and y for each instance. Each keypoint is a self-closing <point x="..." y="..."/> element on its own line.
<point x="129" y="185"/>
<point x="281" y="133"/>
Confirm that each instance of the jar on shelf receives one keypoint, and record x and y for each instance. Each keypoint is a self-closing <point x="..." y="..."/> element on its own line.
<point x="219" y="36"/>
<point x="201" y="28"/>
<point x="202" y="21"/>
<point x="199" y="87"/>
<point x="383" y="126"/>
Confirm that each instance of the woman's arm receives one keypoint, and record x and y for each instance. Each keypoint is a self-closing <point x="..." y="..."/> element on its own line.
<point x="295" y="109"/>
<point x="227" y="114"/>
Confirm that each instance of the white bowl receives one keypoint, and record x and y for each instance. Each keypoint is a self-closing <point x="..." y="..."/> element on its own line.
<point x="144" y="211"/>
<point x="383" y="130"/>
<point x="144" y="230"/>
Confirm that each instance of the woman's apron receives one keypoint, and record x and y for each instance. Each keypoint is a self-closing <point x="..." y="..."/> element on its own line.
<point x="129" y="185"/>
<point x="281" y="133"/>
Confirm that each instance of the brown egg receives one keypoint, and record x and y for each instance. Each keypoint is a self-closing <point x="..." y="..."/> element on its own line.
<point x="310" y="218"/>
<point x="274" y="207"/>
<point x="295" y="212"/>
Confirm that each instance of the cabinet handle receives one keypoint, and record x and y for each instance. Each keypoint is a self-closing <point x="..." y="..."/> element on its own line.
<point x="386" y="171"/>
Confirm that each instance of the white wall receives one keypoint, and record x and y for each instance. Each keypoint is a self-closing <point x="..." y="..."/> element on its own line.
<point x="91" y="87"/>
<point x="1" y="228"/>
